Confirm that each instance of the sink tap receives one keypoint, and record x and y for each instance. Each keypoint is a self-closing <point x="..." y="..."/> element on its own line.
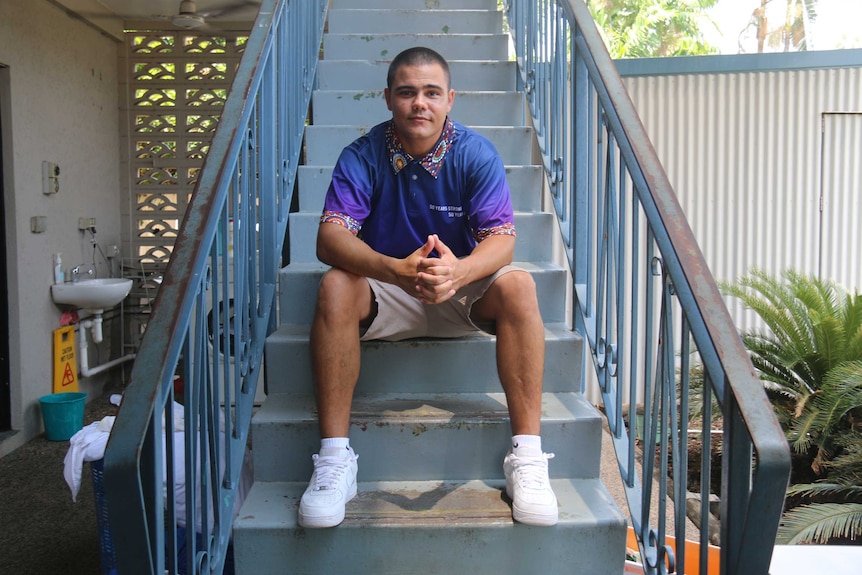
<point x="76" y="273"/>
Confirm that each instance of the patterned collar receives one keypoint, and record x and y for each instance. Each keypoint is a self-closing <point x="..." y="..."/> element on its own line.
<point x="432" y="162"/>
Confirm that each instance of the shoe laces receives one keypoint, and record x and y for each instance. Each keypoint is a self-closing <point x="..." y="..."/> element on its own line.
<point x="328" y="470"/>
<point x="533" y="471"/>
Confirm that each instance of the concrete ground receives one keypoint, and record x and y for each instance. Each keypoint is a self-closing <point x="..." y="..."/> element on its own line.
<point x="42" y="532"/>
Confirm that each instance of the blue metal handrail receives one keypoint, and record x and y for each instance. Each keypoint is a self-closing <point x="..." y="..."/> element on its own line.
<point x="214" y="309"/>
<point x="658" y="330"/>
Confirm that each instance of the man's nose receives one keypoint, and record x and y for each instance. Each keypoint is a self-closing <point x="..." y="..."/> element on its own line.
<point x="419" y="102"/>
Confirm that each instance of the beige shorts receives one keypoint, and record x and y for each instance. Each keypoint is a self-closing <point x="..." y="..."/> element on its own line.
<point x="402" y="316"/>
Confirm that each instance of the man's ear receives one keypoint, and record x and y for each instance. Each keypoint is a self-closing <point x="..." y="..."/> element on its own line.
<point x="386" y="95"/>
<point x="451" y="98"/>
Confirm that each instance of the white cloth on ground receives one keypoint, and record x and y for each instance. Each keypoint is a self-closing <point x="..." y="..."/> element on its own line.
<point x="88" y="444"/>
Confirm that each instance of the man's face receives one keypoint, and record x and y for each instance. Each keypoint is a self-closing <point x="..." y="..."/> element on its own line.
<point x="420" y="100"/>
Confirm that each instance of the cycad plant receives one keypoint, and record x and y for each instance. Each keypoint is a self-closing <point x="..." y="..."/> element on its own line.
<point x="832" y="507"/>
<point x="813" y="326"/>
<point x="810" y="360"/>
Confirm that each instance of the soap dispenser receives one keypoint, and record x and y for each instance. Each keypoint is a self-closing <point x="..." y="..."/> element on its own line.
<point x="59" y="274"/>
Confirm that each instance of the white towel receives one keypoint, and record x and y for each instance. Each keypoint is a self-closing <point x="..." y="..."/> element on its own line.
<point x="90" y="442"/>
<point x="86" y="445"/>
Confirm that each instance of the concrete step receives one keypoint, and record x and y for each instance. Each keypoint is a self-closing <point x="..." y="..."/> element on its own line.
<point x="417" y="436"/>
<point x="525" y="184"/>
<point x="535" y="236"/>
<point x="299" y="281"/>
<point x="376" y="21"/>
<point x="345" y="107"/>
<point x="413" y="365"/>
<point x="427" y="528"/>
<point x="415" y="4"/>
<point x="323" y="144"/>
<point x="478" y="75"/>
<point x="386" y="46"/>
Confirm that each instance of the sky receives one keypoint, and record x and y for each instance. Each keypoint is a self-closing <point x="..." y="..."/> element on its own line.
<point x="838" y="24"/>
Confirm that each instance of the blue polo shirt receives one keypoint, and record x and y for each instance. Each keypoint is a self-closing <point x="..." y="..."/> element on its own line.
<point x="393" y="201"/>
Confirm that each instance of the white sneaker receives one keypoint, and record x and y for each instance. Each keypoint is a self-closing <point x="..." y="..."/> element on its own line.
<point x="332" y="485"/>
<point x="529" y="488"/>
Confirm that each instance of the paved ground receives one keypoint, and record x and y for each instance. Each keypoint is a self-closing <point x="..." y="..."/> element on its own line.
<point x="42" y="532"/>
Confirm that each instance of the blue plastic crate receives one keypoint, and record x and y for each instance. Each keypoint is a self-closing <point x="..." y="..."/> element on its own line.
<point x="106" y="543"/>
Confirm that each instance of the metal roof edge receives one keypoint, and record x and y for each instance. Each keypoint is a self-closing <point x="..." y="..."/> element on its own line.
<point x="735" y="63"/>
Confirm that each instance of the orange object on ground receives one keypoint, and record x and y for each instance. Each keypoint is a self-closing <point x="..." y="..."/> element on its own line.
<point x="692" y="556"/>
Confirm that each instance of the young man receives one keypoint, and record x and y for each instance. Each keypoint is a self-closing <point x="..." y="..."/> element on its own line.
<point x="419" y="232"/>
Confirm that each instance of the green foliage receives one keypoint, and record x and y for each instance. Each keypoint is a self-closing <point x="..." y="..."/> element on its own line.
<point x="814" y="327"/>
<point x="827" y="414"/>
<point x="786" y="33"/>
<point x="652" y="28"/>
<point x="820" y="522"/>
<point x="810" y="360"/>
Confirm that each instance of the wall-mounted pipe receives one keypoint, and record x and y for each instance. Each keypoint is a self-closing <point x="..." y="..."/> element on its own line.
<point x="83" y="361"/>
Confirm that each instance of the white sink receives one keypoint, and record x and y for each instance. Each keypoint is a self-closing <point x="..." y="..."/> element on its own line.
<point x="93" y="294"/>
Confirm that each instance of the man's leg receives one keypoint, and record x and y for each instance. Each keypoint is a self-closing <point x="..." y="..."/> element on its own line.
<point x="512" y="304"/>
<point x="344" y="302"/>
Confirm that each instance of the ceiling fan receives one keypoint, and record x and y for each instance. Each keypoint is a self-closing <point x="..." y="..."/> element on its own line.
<point x="189" y="18"/>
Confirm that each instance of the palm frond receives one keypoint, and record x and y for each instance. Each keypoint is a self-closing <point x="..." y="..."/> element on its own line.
<point x="852" y="493"/>
<point x="820" y="419"/>
<point x="813" y="325"/>
<point x="820" y="522"/>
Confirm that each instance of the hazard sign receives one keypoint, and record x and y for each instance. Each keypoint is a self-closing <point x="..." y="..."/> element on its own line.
<point x="65" y="366"/>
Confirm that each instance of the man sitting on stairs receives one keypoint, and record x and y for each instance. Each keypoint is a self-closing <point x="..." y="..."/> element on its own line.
<point x="419" y="232"/>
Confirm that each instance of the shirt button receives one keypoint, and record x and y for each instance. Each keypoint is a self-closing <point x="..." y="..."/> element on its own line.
<point x="414" y="177"/>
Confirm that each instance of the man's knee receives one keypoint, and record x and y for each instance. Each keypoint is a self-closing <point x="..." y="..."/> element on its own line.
<point x="342" y="292"/>
<point x="512" y="294"/>
<point x="516" y="288"/>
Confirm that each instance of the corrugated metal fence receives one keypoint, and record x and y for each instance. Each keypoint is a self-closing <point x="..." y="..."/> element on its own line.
<point x="753" y="156"/>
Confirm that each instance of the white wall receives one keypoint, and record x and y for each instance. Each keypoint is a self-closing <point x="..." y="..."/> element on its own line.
<point x="61" y="86"/>
<point x="743" y="150"/>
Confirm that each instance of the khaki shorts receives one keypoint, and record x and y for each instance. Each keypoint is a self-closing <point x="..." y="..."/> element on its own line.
<point x="402" y="316"/>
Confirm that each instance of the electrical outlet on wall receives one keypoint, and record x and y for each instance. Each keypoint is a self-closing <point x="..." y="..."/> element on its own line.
<point x="50" y="178"/>
<point x="86" y="223"/>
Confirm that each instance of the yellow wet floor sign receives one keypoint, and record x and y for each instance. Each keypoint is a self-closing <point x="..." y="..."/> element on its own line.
<point x="65" y="367"/>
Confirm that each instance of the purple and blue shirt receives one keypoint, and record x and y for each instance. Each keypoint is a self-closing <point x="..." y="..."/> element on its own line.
<point x="393" y="201"/>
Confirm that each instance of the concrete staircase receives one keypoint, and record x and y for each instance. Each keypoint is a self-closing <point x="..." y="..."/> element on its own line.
<point x="429" y="419"/>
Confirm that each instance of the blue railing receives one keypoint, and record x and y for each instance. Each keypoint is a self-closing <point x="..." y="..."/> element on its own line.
<point x="214" y="310"/>
<point x="663" y="345"/>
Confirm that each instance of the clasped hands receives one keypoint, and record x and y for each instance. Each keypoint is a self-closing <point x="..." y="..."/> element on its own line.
<point x="432" y="280"/>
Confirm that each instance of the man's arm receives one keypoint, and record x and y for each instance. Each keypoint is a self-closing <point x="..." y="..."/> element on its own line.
<point x="339" y="248"/>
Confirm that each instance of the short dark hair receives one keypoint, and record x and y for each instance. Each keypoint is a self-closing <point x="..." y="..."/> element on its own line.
<point x="414" y="57"/>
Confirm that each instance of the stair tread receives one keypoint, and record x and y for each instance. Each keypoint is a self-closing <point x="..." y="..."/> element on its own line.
<point x="474" y="503"/>
<point x="557" y="331"/>
<point x="426" y="408"/>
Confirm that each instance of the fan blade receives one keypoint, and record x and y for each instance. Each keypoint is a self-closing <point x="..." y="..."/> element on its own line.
<point x="233" y="8"/>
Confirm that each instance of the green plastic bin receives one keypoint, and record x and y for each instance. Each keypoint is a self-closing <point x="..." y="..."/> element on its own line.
<point x="63" y="414"/>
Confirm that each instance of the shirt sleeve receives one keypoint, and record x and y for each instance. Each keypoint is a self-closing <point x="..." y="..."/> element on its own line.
<point x="348" y="199"/>
<point x="490" y="201"/>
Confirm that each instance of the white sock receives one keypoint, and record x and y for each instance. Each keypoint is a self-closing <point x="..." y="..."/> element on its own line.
<point x="526" y="444"/>
<point x="334" y="445"/>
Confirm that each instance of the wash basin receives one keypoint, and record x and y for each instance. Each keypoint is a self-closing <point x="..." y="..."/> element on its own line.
<point x="92" y="294"/>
